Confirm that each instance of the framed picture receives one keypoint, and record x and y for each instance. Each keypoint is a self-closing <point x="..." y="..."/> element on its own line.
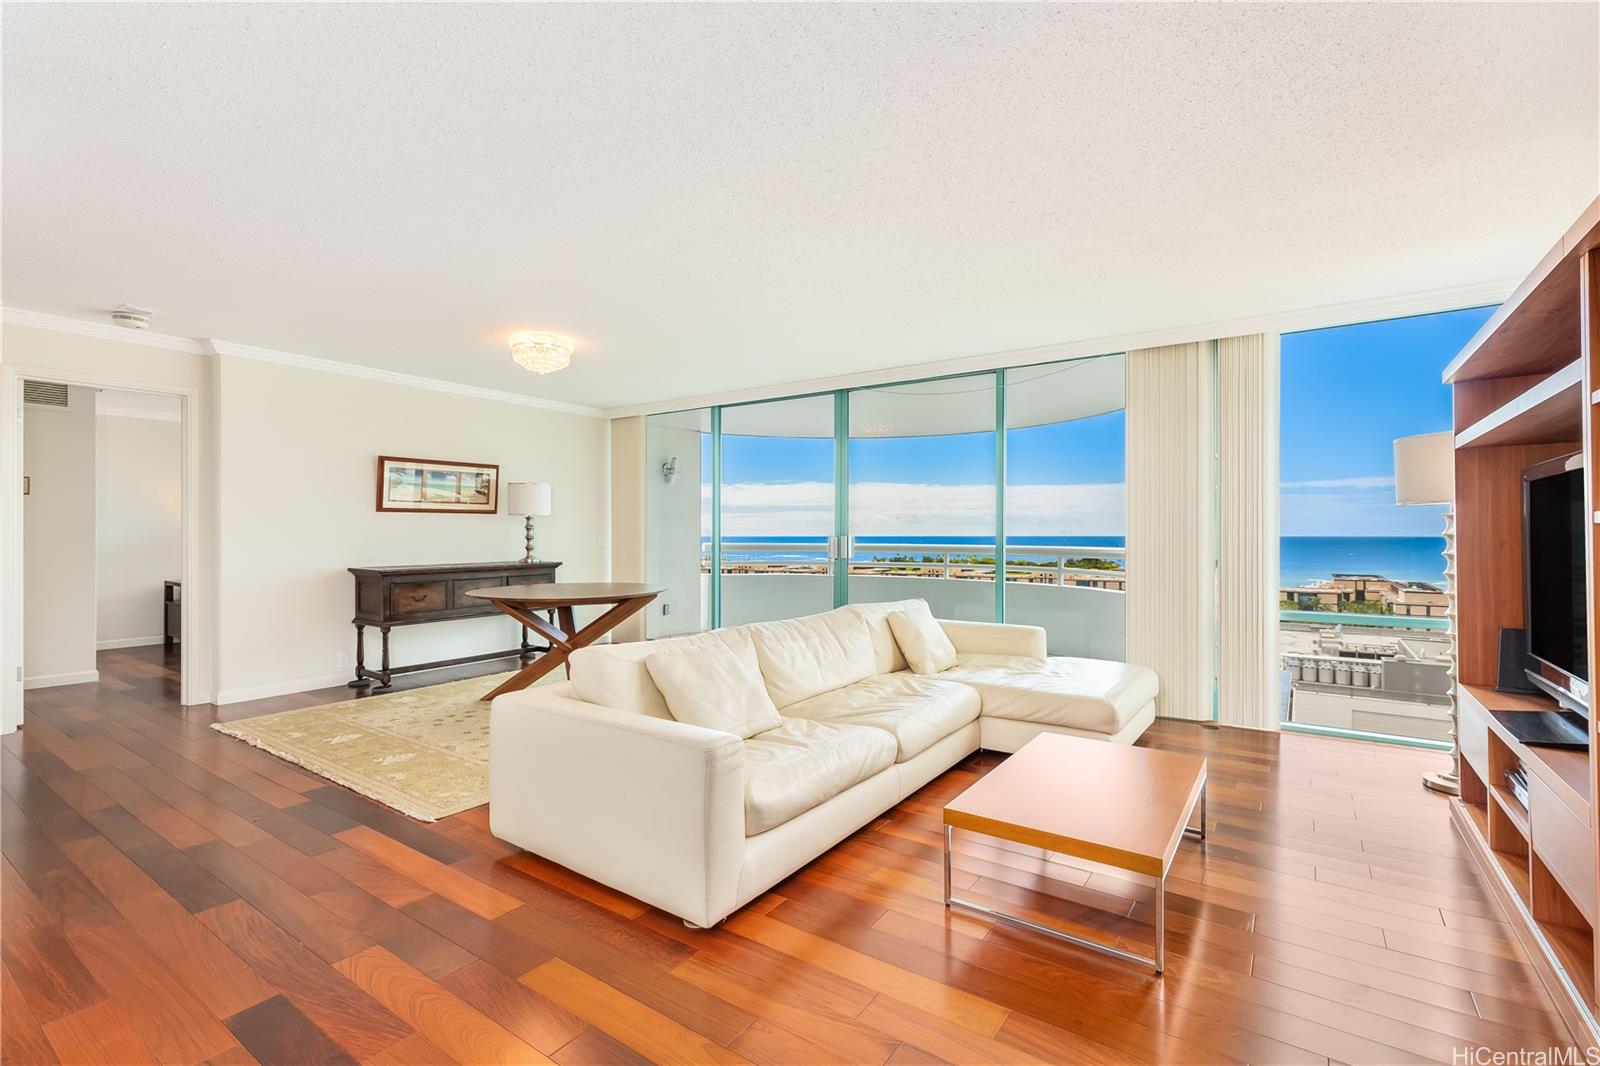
<point x="437" y="485"/>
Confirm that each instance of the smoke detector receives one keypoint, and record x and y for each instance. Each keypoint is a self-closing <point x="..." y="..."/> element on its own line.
<point x="131" y="317"/>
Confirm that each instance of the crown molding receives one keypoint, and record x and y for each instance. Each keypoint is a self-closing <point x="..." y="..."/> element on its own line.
<point x="1342" y="314"/>
<point x="394" y="377"/>
<point x="214" y="347"/>
<point x="105" y="331"/>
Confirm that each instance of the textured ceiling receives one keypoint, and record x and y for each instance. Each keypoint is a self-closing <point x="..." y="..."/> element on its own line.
<point x="723" y="197"/>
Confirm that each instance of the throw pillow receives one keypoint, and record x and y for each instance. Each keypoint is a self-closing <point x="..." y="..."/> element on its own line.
<point x="716" y="687"/>
<point x="923" y="642"/>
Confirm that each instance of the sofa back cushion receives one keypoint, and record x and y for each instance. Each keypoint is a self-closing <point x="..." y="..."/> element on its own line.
<point x="886" y="650"/>
<point x="802" y="657"/>
<point x="714" y="686"/>
<point x="614" y="675"/>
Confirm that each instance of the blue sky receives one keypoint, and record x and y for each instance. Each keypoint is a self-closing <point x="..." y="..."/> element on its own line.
<point x="1347" y="393"/>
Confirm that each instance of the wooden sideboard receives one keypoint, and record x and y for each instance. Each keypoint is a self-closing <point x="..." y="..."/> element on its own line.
<point x="389" y="596"/>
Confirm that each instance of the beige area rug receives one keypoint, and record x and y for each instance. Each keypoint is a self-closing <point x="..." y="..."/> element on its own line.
<point x="424" y="752"/>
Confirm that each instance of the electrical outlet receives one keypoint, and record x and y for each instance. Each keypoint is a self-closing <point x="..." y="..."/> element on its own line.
<point x="344" y="658"/>
<point x="666" y="608"/>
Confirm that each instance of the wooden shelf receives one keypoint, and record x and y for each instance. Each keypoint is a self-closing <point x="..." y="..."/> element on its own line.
<point x="1565" y="772"/>
<point x="1536" y="330"/>
<point x="1549" y="412"/>
<point x="1515" y="811"/>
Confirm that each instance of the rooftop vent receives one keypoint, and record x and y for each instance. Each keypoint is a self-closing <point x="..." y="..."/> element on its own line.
<point x="44" y="393"/>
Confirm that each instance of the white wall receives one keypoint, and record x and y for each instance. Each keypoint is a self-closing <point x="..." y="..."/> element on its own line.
<point x="138" y="520"/>
<point x="673" y="533"/>
<point x="58" y="542"/>
<point x="297" y="483"/>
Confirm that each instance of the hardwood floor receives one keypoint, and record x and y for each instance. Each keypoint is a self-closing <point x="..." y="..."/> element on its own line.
<point x="172" y="895"/>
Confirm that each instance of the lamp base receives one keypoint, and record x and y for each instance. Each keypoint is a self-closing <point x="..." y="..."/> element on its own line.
<point x="527" y="541"/>
<point x="1442" y="781"/>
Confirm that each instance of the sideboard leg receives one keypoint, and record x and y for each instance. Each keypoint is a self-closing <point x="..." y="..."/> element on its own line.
<point x="361" y="678"/>
<point x="385" y="676"/>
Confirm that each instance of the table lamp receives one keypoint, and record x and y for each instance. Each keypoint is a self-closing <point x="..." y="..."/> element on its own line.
<point x="1425" y="473"/>
<point x="528" y="498"/>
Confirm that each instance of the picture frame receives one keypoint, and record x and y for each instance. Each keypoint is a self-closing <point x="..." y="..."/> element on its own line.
<point x="437" y="486"/>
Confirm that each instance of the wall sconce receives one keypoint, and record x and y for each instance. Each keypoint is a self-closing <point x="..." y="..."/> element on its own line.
<point x="669" y="469"/>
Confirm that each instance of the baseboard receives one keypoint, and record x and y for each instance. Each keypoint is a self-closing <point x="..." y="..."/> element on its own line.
<point x="82" y="677"/>
<point x="129" y="642"/>
<point x="280" y="688"/>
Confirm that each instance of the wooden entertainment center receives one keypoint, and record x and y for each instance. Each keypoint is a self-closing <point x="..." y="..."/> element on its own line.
<point x="1525" y="389"/>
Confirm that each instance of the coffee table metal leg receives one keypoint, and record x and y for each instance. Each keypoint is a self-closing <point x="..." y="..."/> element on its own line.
<point x="949" y="832"/>
<point x="1205" y="790"/>
<point x="1161" y="924"/>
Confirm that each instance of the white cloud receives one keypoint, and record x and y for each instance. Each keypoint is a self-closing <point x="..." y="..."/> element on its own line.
<point x="1378" y="482"/>
<point x="891" y="509"/>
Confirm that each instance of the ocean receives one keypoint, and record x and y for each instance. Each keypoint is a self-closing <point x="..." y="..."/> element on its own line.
<point x="1301" y="560"/>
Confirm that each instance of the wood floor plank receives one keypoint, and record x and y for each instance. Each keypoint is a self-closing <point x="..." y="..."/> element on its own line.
<point x="352" y="1019"/>
<point x="443" y="880"/>
<point x="172" y="1022"/>
<point x="653" y="1035"/>
<point x="274" y="1031"/>
<point x="460" y="1031"/>
<point x="99" y="1035"/>
<point x="22" y="1039"/>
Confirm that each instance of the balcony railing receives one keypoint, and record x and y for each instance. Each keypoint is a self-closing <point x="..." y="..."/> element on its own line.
<point x="1031" y="563"/>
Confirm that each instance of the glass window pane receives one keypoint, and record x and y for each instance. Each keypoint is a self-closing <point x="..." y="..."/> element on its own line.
<point x="777" y="509"/>
<point x="677" y="486"/>
<point x="1065" y="503"/>
<point x="1362" y="603"/>
<point x="922" y="495"/>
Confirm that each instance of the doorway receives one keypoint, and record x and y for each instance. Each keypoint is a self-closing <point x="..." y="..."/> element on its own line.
<point x="102" y="532"/>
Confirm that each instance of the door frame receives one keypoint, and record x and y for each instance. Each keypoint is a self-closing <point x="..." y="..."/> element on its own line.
<point x="12" y="576"/>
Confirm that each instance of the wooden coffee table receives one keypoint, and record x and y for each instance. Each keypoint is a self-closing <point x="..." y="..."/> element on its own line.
<point x="1107" y="803"/>
<point x="521" y="601"/>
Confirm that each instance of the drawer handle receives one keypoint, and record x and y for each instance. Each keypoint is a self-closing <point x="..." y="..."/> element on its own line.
<point x="419" y="597"/>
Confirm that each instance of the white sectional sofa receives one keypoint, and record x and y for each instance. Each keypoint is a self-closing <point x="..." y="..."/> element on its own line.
<point x="597" y="775"/>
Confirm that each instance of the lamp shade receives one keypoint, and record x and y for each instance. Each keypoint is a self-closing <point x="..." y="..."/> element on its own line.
<point x="528" y="498"/>
<point x="1425" y="469"/>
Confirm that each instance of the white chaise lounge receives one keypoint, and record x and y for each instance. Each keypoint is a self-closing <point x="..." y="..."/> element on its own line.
<point x="596" y="773"/>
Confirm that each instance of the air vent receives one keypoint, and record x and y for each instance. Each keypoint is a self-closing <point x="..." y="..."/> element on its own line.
<point x="44" y="393"/>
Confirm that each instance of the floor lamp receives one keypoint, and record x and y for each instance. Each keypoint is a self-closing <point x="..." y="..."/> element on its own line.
<point x="1425" y="473"/>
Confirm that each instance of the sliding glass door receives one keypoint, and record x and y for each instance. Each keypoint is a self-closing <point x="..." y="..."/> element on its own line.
<point x="923" y="503"/>
<point x="777" y="515"/>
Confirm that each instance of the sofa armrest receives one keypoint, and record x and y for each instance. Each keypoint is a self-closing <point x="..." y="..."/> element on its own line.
<point x="651" y="807"/>
<point x="995" y="638"/>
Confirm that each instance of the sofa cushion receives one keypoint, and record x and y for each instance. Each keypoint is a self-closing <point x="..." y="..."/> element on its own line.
<point x="715" y="687"/>
<point x="927" y="649"/>
<point x="1096" y="695"/>
<point x="614" y="675"/>
<point x="801" y="657"/>
<point x="917" y="711"/>
<point x="791" y="769"/>
<point x="890" y="659"/>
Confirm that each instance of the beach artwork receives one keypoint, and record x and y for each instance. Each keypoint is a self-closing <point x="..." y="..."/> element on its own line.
<point x="437" y="485"/>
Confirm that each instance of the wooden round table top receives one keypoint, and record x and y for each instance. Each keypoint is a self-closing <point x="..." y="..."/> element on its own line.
<point x="567" y="593"/>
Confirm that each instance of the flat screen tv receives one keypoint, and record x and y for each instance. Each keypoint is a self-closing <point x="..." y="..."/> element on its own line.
<point x="1557" y="598"/>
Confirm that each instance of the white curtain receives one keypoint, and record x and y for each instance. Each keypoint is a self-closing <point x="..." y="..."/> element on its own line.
<point x="1247" y="557"/>
<point x="1172" y="523"/>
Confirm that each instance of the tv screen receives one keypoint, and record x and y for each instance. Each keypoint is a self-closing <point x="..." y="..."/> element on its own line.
<point x="1557" y="615"/>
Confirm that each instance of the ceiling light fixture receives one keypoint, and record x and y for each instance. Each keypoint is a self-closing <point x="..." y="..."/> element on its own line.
<point x="542" y="353"/>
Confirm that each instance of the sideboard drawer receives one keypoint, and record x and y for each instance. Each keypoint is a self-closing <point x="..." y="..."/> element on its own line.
<point x="1563" y="843"/>
<point x="417" y="597"/>
<point x="459" y="600"/>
